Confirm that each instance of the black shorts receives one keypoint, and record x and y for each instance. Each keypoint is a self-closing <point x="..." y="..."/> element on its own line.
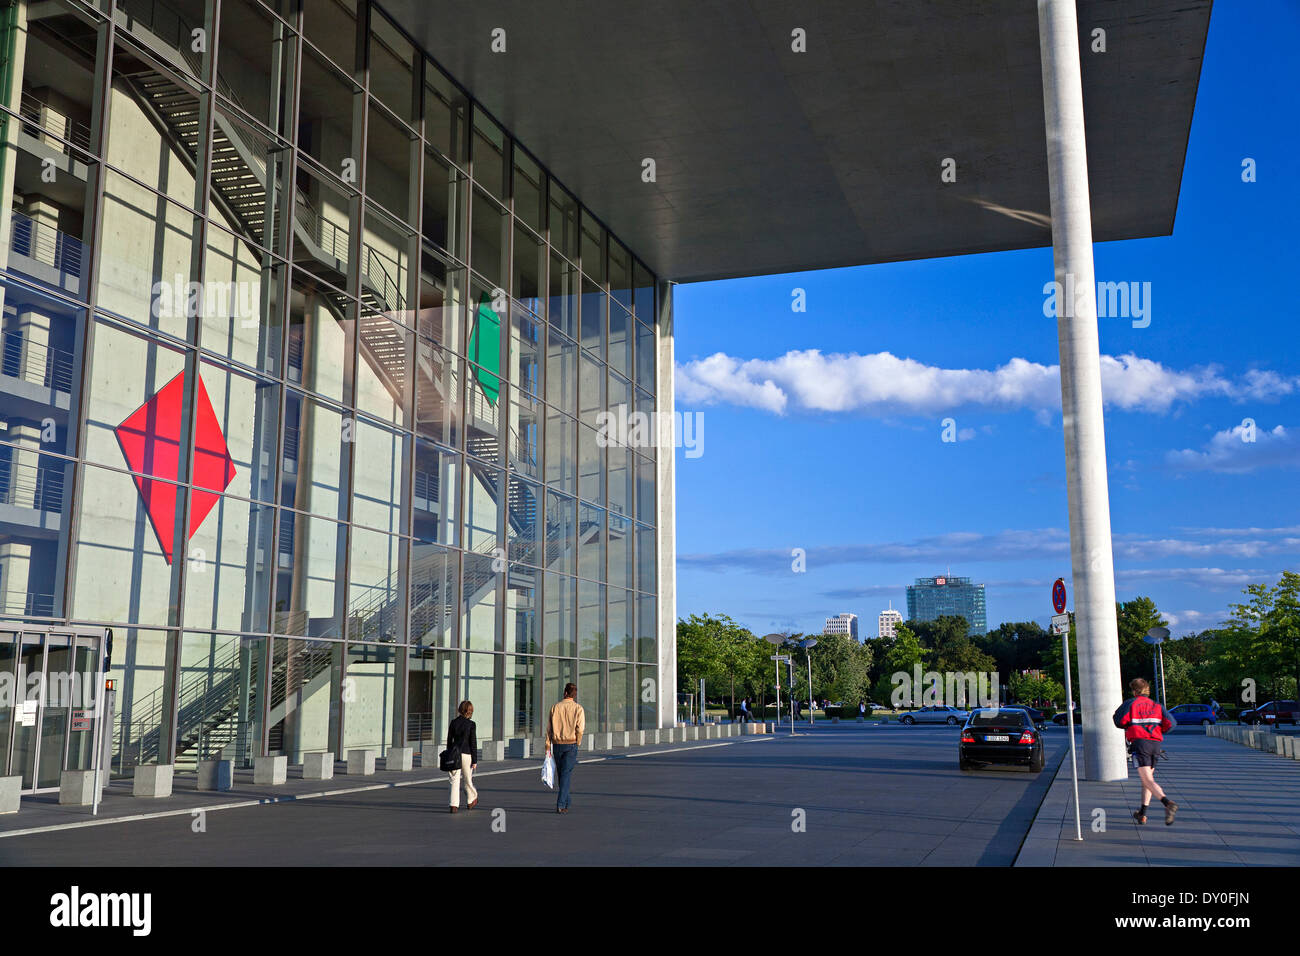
<point x="1146" y="752"/>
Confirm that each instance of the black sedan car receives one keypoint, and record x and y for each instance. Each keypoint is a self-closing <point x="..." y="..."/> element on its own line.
<point x="1036" y="715"/>
<point x="1003" y="735"/>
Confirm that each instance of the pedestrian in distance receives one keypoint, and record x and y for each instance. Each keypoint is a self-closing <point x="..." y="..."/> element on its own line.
<point x="565" y="725"/>
<point x="462" y="740"/>
<point x="1145" y="723"/>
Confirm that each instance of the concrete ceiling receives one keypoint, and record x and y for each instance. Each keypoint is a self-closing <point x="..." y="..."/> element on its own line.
<point x="774" y="161"/>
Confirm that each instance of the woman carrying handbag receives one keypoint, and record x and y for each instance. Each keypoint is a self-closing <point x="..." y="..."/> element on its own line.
<point x="461" y="756"/>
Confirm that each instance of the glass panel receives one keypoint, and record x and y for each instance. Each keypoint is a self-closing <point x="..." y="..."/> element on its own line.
<point x="223" y="680"/>
<point x="559" y="672"/>
<point x="645" y="490"/>
<point x="439" y="378"/>
<point x="591" y="465"/>
<point x="523" y="597"/>
<point x="591" y="619"/>
<point x="561" y="452"/>
<point x="255" y="62"/>
<point x="327" y="118"/>
<point x="622" y="572"/>
<point x="562" y="303"/>
<point x="561" y="372"/>
<point x="240" y="306"/>
<point x="489" y="239"/>
<point x="445" y="110"/>
<point x="387" y="251"/>
<point x="524" y="522"/>
<point x="622" y="624"/>
<point x="435" y="571"/>
<point x="123" y="566"/>
<point x="309" y="567"/>
<point x="484" y="500"/>
<point x="149" y="289"/>
<point x="313" y="467"/>
<point x="246" y="410"/>
<point x="491" y="156"/>
<point x="384" y="372"/>
<point x="478" y="684"/>
<point x="620" y="273"/>
<point x="525" y="435"/>
<point x="305" y="695"/>
<point x="228" y="578"/>
<point x="561" y="595"/>
<point x="39" y="364"/>
<point x="622" y="697"/>
<point x="643" y="296"/>
<point x="528" y="277"/>
<point x="332" y="26"/>
<point x="591" y="693"/>
<point x="431" y="696"/>
<point x="36" y="497"/>
<point x="647" y="563"/>
<point x="441" y="317"/>
<point x="522" y="687"/>
<point x="143" y="408"/>
<point x="370" y="709"/>
<point x="591" y="391"/>
<point x="646" y="635"/>
<point x="561" y="533"/>
<point x="376" y="590"/>
<point x="593" y="249"/>
<point x="593" y="317"/>
<point x="620" y="339"/>
<point x="445" y="189"/>
<point x="393" y="68"/>
<point x="87" y="659"/>
<point x="479" y="602"/>
<point x="645" y="357"/>
<point x="325" y="215"/>
<point x="622" y="480"/>
<point x="141" y="671"/>
<point x="648" y="696"/>
<point x="563" y="223"/>
<point x="319" y="340"/>
<point x="392" y="152"/>
<point x="525" y="360"/>
<point x="54" y="711"/>
<point x="530" y="191"/>
<point x="591" y="542"/>
<point x="435" y="492"/>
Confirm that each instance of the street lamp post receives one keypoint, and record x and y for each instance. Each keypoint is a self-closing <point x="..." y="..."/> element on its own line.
<point x="1158" y="636"/>
<point x="808" y="644"/>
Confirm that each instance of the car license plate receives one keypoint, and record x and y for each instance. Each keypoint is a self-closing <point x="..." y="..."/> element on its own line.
<point x="997" y="738"/>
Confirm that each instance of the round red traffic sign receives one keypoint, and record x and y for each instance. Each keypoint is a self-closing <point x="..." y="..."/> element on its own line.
<point x="1058" y="595"/>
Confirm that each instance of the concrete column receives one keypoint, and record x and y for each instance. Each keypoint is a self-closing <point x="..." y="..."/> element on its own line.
<point x="1092" y="563"/>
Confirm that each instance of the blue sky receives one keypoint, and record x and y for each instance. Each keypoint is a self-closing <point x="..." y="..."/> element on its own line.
<point x="840" y="453"/>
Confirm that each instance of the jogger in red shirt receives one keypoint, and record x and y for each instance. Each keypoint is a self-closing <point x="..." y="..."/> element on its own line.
<point x="1145" y="723"/>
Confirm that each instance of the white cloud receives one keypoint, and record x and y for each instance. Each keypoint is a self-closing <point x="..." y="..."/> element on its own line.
<point x="1230" y="452"/>
<point x="882" y="383"/>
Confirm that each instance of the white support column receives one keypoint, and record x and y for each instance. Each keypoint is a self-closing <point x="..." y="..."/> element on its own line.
<point x="666" y="511"/>
<point x="1081" y="401"/>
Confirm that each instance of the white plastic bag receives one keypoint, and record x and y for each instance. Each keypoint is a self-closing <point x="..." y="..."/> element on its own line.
<point x="548" y="771"/>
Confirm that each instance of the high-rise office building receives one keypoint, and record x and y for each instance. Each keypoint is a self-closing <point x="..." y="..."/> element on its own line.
<point x="943" y="594"/>
<point x="842" y="624"/>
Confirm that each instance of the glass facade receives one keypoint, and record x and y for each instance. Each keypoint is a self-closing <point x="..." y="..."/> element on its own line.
<point x="303" y="358"/>
<point x="941" y="595"/>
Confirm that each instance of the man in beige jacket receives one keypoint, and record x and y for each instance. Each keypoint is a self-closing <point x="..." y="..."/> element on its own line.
<point x="565" y="725"/>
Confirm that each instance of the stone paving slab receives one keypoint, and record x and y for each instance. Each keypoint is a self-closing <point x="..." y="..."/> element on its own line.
<point x="1237" y="807"/>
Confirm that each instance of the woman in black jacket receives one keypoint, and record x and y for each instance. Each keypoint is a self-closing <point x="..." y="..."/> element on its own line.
<point x="463" y="737"/>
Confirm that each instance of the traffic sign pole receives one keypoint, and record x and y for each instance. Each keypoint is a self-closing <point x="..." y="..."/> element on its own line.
<point x="1058" y="602"/>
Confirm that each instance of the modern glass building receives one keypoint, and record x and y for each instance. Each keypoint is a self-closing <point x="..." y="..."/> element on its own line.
<point x="303" y="362"/>
<point x="941" y="595"/>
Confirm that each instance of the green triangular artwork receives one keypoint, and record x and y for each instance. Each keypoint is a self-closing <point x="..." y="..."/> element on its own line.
<point x="485" y="349"/>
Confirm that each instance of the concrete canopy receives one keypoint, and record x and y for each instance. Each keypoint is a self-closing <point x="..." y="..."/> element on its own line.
<point x="774" y="161"/>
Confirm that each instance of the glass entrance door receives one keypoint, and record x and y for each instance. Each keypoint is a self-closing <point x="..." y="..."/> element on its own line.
<point x="48" y="710"/>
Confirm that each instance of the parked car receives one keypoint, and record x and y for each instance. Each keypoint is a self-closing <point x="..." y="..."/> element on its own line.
<point x="1062" y="719"/>
<point x="935" y="715"/>
<point x="1272" y="713"/>
<point x="1036" y="715"/>
<point x="1000" y="735"/>
<point x="1194" y="714"/>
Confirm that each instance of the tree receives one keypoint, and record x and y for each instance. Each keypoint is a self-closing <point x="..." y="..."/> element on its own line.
<point x="902" y="657"/>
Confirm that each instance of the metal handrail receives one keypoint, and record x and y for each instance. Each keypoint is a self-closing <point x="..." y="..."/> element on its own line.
<point x="42" y="486"/>
<point x="36" y="239"/>
<point x="56" y="365"/>
<point x="38" y="113"/>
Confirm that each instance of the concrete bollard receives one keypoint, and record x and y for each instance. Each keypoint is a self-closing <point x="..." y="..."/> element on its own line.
<point x="620" y="738"/>
<point x="318" y="766"/>
<point x="604" y="740"/>
<point x="270" y="771"/>
<point x="519" y="748"/>
<point x="77" y="787"/>
<point x="152" y="780"/>
<point x="588" y="742"/>
<point x="399" y="758"/>
<point x="218" y="775"/>
<point x="10" y="793"/>
<point x="492" y="750"/>
<point x="429" y="754"/>
<point x="361" y="762"/>
<point x="769" y="727"/>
